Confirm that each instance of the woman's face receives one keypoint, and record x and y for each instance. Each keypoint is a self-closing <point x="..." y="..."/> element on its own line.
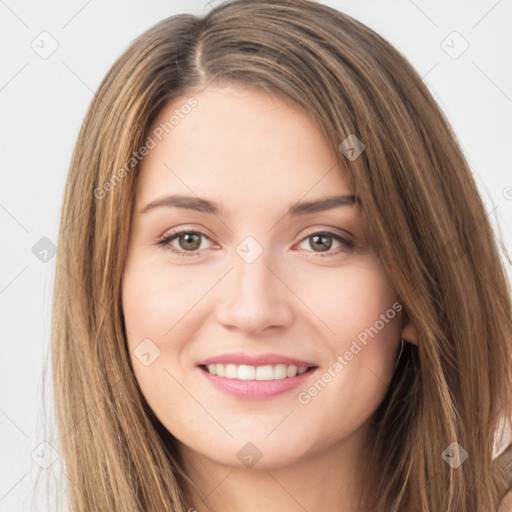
<point x="253" y="284"/>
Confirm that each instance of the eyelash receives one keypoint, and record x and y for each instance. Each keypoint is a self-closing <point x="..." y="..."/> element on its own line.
<point x="166" y="241"/>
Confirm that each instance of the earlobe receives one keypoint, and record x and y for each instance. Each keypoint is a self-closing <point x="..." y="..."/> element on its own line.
<point x="409" y="333"/>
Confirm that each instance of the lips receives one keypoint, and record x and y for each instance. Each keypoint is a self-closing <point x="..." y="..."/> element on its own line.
<point x="256" y="376"/>
<point x="242" y="358"/>
<point x="257" y="389"/>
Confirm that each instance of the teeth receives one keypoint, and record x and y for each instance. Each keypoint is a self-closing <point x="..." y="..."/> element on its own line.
<point x="264" y="372"/>
<point x="231" y="371"/>
<point x="291" y="371"/>
<point x="247" y="372"/>
<point x="219" y="369"/>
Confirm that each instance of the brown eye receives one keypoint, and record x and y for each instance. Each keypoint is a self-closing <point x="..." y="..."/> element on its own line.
<point x="187" y="243"/>
<point x="322" y="242"/>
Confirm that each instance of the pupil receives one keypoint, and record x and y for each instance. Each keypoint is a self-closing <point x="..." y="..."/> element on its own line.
<point x="189" y="241"/>
<point x="317" y="238"/>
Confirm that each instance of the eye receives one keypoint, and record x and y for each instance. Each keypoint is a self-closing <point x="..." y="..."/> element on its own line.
<point x="322" y="242"/>
<point x="189" y="242"/>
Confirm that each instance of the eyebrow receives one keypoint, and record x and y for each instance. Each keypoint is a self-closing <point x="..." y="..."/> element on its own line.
<point x="210" y="207"/>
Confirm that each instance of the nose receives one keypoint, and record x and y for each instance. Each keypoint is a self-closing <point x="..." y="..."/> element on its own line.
<point x="254" y="297"/>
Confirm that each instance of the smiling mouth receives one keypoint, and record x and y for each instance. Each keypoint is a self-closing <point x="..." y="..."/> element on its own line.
<point x="259" y="373"/>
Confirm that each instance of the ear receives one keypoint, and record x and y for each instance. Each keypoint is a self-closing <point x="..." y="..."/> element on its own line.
<point x="409" y="332"/>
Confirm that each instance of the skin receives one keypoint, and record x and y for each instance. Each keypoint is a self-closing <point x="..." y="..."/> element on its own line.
<point x="255" y="155"/>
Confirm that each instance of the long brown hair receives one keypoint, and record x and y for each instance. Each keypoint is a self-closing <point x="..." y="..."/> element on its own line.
<point x="421" y="205"/>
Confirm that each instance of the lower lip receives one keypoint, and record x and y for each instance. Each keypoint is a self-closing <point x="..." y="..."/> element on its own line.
<point x="257" y="389"/>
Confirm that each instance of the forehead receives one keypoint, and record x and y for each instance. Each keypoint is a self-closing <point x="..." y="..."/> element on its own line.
<point x="241" y="145"/>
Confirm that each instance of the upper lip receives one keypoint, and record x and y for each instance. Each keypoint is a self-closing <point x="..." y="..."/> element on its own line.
<point x="254" y="360"/>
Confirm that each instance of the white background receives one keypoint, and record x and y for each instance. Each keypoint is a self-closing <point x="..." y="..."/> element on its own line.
<point x="43" y="102"/>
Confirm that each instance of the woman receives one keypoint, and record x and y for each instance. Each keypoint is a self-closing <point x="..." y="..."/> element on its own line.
<point x="277" y="286"/>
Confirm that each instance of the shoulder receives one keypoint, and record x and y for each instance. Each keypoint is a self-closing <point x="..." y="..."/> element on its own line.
<point x="506" y="504"/>
<point x="502" y="441"/>
<point x="502" y="437"/>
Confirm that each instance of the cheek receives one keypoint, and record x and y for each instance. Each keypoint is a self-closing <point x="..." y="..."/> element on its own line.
<point x="348" y="301"/>
<point x="155" y="297"/>
<point x="152" y="310"/>
<point x="163" y="305"/>
<point x="145" y="303"/>
<point x="360" y="318"/>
